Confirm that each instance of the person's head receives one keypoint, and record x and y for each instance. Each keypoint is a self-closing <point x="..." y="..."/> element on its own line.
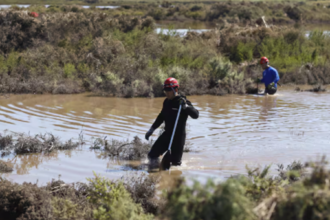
<point x="264" y="62"/>
<point x="171" y="87"/>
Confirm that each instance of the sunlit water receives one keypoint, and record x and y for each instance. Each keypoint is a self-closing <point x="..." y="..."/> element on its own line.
<point x="231" y="132"/>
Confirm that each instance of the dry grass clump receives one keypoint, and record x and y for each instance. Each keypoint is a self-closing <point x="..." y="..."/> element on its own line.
<point x="26" y="201"/>
<point x="19" y="31"/>
<point x="6" y="142"/>
<point x="5" y="168"/>
<point x="308" y="74"/>
<point x="134" y="150"/>
<point x="40" y="143"/>
<point x="143" y="189"/>
<point x="69" y="201"/>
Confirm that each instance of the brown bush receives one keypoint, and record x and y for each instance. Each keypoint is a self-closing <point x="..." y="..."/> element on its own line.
<point x="26" y="201"/>
<point x="33" y="144"/>
<point x="5" y="168"/>
<point x="143" y="190"/>
<point x="126" y="150"/>
<point x="308" y="75"/>
<point x="18" y="31"/>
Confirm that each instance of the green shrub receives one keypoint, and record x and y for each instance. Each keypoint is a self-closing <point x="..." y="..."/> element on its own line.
<point x="219" y="69"/>
<point x="209" y="201"/>
<point x="69" y="70"/>
<point x="196" y="8"/>
<point x="115" y="202"/>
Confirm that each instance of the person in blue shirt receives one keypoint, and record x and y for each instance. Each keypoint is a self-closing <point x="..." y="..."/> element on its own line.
<point x="270" y="76"/>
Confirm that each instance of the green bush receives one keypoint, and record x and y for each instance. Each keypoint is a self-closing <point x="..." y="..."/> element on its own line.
<point x="210" y="201"/>
<point x="115" y="202"/>
<point x="196" y="8"/>
<point x="69" y="70"/>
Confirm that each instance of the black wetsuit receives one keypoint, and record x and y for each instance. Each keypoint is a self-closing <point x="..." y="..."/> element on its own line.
<point x="169" y="114"/>
<point x="271" y="91"/>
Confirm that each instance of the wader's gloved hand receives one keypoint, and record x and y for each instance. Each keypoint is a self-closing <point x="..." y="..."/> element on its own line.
<point x="149" y="133"/>
<point x="183" y="102"/>
<point x="271" y="86"/>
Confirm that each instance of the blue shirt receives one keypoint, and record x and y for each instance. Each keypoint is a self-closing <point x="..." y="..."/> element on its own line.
<point x="270" y="75"/>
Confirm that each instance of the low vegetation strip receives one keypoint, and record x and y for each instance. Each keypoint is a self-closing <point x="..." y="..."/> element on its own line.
<point x="299" y="191"/>
<point x="72" y="51"/>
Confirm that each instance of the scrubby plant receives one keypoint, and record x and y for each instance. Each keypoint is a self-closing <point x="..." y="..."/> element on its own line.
<point x="26" y="201"/>
<point x="209" y="201"/>
<point x="41" y="143"/>
<point x="127" y="150"/>
<point x="115" y="202"/>
<point x="4" y="167"/>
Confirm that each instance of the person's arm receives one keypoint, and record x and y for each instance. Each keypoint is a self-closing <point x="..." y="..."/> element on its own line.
<point x="262" y="80"/>
<point x="190" y="110"/>
<point x="276" y="76"/>
<point x="159" y="120"/>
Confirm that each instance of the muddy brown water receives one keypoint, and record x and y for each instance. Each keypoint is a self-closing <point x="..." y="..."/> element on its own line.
<point x="231" y="132"/>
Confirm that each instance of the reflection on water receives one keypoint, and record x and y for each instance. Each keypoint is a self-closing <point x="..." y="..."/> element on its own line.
<point x="232" y="131"/>
<point x="182" y="28"/>
<point x="24" y="163"/>
<point x="186" y="25"/>
<point x="179" y="32"/>
<point x="8" y="6"/>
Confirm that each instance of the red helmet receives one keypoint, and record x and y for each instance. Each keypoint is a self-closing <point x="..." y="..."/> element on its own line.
<point x="34" y="14"/>
<point x="171" y="83"/>
<point x="264" y="60"/>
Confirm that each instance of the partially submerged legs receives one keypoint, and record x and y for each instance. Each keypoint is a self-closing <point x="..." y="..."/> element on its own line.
<point x="169" y="159"/>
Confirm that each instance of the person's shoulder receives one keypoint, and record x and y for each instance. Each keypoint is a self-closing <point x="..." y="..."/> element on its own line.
<point x="272" y="69"/>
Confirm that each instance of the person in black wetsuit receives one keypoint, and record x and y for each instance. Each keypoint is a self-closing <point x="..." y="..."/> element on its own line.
<point x="168" y="115"/>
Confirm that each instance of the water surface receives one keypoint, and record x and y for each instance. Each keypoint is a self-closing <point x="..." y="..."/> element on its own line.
<point x="231" y="132"/>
